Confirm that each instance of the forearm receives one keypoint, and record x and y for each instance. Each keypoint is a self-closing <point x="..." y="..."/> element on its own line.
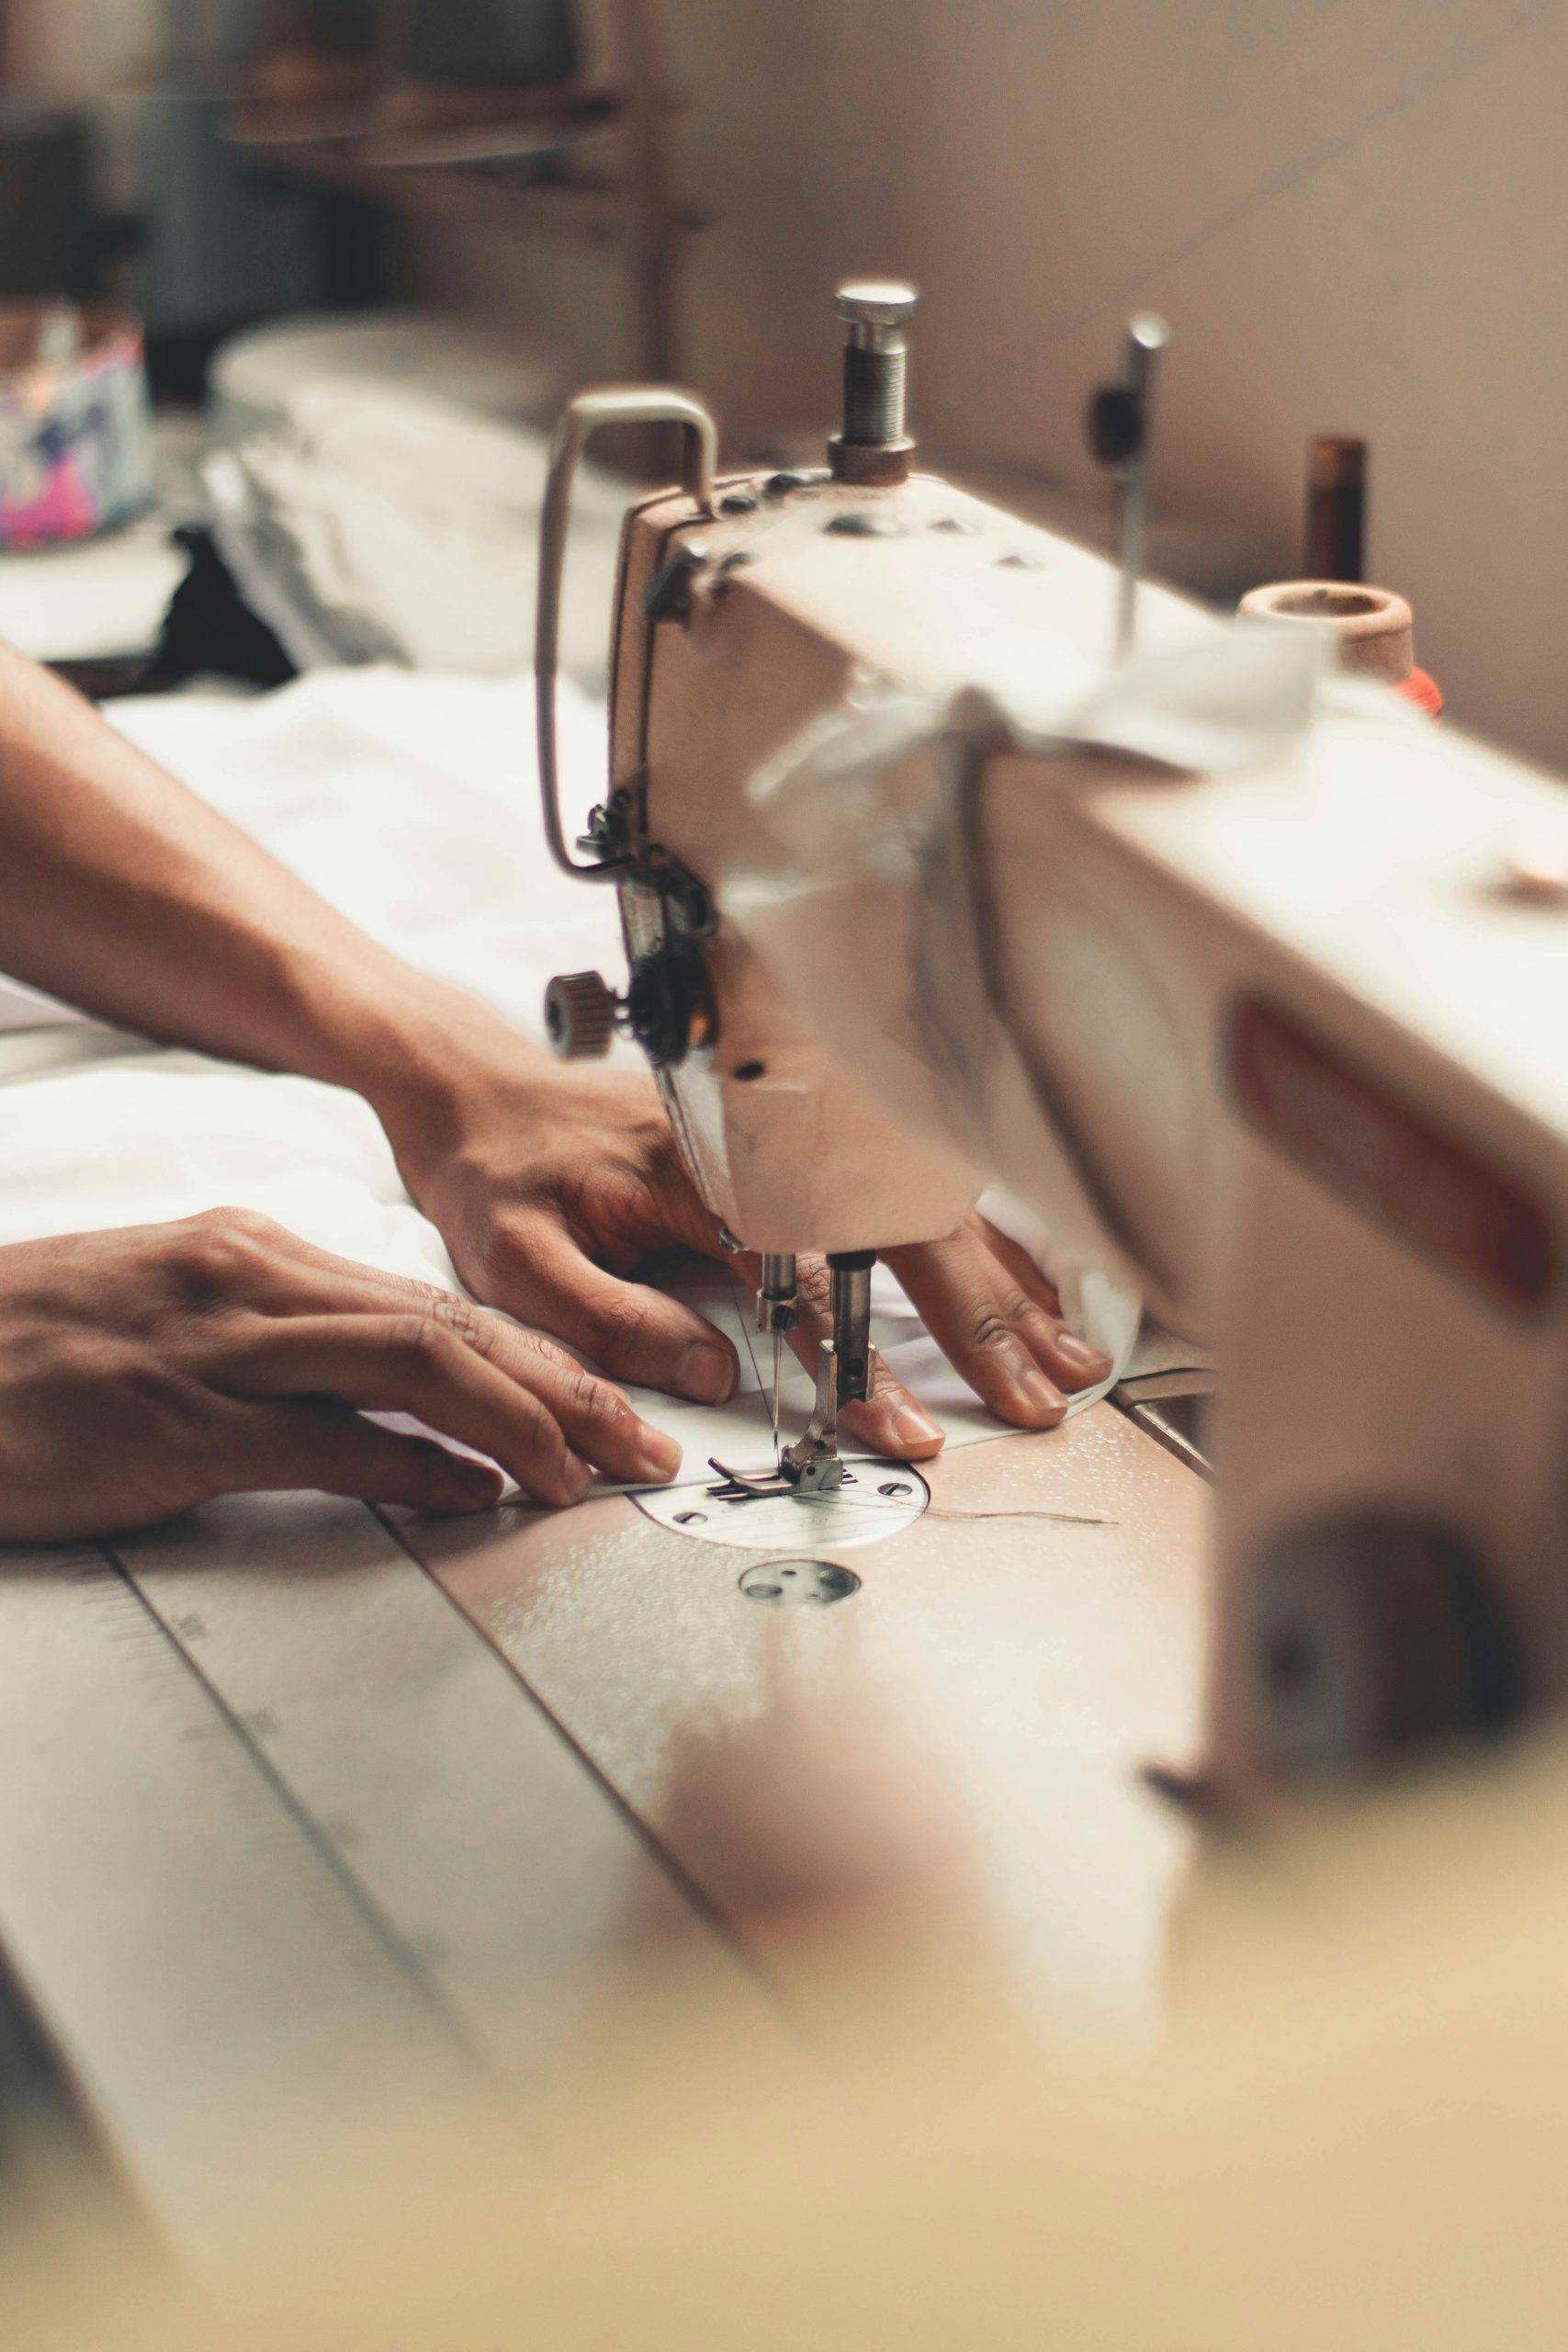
<point x="123" y="893"/>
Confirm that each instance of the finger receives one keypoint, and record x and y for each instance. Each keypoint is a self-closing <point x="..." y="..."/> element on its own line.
<point x="643" y="1202"/>
<point x="597" y="1420"/>
<point x="1073" y="1362"/>
<point x="634" y="1333"/>
<point x="279" y="1448"/>
<point x="544" y="1431"/>
<point x="891" y="1421"/>
<point x="1019" y="1263"/>
<point x="630" y="1331"/>
<point x="601" y="1424"/>
<point x="596" y="1417"/>
<point x="986" y="1325"/>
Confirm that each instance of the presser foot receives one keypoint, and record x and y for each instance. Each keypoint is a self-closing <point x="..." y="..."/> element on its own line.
<point x="739" y="1486"/>
<point x="824" y="1477"/>
<point x="813" y="1464"/>
<point x="742" y="1487"/>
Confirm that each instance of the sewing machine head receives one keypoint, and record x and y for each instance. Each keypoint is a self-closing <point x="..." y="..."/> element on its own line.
<point x="748" y="607"/>
<point x="1285" y="1025"/>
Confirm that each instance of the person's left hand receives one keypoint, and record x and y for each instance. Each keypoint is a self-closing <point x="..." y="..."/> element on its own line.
<point x="552" y="1185"/>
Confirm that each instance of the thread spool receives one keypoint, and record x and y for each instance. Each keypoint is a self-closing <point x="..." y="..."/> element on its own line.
<point x="1376" y="629"/>
<point x="75" y="428"/>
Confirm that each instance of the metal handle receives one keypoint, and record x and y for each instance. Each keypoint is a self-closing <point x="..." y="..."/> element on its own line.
<point x="584" y="416"/>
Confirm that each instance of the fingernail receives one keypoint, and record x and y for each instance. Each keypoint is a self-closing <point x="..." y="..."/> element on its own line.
<point x="575" y="1480"/>
<point x="475" y="1483"/>
<point x="658" y="1453"/>
<point x="1037" y="1397"/>
<point x="705" y="1375"/>
<point x="1082" y="1357"/>
<point x="912" y="1426"/>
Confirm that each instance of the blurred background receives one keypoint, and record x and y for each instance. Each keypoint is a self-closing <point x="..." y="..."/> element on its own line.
<point x="1348" y="209"/>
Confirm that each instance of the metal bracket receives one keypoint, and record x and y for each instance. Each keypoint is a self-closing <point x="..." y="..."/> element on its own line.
<point x="812" y="1463"/>
<point x="582" y="417"/>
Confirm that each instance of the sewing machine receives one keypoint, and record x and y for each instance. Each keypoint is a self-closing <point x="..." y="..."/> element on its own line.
<point x="1285" y="1028"/>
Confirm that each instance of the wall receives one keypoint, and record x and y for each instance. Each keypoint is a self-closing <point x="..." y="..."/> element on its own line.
<point x="1351" y="210"/>
<point x="80" y="48"/>
<point x="91" y="52"/>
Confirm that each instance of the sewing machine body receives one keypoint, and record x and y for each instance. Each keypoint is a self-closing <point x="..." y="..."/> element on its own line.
<point x="1293" y="1022"/>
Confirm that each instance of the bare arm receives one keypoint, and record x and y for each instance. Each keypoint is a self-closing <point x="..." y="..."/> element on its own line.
<point x="124" y="893"/>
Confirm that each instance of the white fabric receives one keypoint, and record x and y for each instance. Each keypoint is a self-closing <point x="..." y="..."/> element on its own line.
<point x="371" y="522"/>
<point x="93" y="603"/>
<point x="411" y="803"/>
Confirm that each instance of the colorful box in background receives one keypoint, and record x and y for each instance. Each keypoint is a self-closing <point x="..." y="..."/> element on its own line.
<point x="75" y="422"/>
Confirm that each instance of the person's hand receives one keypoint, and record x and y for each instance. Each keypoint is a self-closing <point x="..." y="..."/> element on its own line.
<point x="551" y="1186"/>
<point x="144" y="1371"/>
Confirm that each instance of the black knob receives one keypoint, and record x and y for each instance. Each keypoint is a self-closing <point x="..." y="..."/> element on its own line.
<point x="669" y="1003"/>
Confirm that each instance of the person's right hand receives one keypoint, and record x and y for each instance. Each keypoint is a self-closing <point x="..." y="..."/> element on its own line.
<point x="144" y="1371"/>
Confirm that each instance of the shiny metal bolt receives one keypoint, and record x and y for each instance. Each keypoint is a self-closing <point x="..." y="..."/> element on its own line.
<point x="874" y="447"/>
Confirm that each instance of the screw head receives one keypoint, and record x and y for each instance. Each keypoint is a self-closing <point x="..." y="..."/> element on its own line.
<point x="876" y="301"/>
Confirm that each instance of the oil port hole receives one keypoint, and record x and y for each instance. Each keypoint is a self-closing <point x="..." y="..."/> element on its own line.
<point x="1331" y="604"/>
<point x="748" y="1070"/>
<point x="795" y="1583"/>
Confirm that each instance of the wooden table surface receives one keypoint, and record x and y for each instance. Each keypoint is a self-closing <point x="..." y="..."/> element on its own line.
<point x="288" y="1785"/>
<point x="964" y="1736"/>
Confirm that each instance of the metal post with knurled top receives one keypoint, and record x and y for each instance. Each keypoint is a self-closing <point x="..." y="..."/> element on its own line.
<point x="874" y="447"/>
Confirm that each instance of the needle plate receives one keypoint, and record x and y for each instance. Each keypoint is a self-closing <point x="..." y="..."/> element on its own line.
<point x="877" y="1499"/>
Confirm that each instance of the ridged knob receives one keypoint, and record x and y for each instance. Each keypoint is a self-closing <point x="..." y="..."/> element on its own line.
<point x="580" y="1016"/>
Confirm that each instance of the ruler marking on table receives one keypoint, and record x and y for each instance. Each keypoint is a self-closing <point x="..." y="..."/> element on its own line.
<point x="188" y="1944"/>
<point x="446" y="1790"/>
<point x="385" y="1929"/>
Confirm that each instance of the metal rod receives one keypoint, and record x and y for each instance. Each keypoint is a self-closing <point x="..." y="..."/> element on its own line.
<point x="778" y="1311"/>
<point x="1337" y="509"/>
<point x="581" y="418"/>
<point x="850" y="1276"/>
<point x="1148" y="335"/>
